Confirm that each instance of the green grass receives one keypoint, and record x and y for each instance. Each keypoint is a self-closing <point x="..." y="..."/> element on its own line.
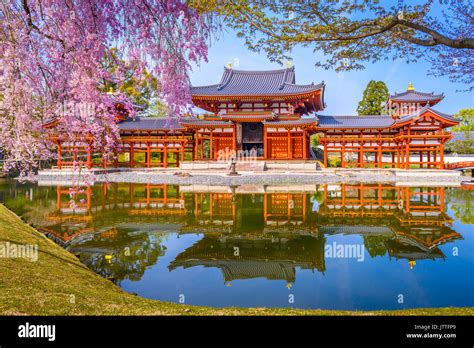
<point x="58" y="284"/>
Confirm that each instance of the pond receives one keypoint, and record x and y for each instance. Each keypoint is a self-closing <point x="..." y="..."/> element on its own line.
<point x="354" y="247"/>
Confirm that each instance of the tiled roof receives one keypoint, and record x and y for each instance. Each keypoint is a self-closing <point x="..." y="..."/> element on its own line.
<point x="150" y="124"/>
<point x="249" y="116"/>
<point x="415" y="96"/>
<point x="302" y="121"/>
<point x="195" y="122"/>
<point x="421" y="111"/>
<point x="376" y="121"/>
<point x="243" y="82"/>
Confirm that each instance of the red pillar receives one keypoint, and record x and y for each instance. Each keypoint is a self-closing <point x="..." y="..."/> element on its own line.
<point x="196" y="146"/>
<point x="234" y="139"/>
<point x="211" y="145"/>
<point x="398" y="157"/>
<point x="289" y="144"/>
<point x="59" y="156"/>
<point x="265" y="142"/>
<point x="379" y="161"/>
<point x="89" y="156"/>
<point x="407" y="154"/>
<point x="305" y="146"/>
<point x="407" y="165"/>
<point x="325" y="154"/>
<point x="441" y="156"/>
<point x="401" y="156"/>
<point x="148" y="155"/>
<point x="343" y="149"/>
<point x="132" y="164"/>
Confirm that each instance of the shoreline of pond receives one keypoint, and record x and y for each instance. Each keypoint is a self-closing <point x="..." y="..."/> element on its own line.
<point x="57" y="275"/>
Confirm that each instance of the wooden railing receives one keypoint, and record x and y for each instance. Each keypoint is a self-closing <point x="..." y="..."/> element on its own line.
<point x="458" y="165"/>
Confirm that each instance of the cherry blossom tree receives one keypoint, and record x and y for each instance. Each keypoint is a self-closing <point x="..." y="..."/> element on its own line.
<point x="51" y="55"/>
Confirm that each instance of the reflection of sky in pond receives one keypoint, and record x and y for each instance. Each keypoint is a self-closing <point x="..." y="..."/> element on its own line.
<point x="264" y="250"/>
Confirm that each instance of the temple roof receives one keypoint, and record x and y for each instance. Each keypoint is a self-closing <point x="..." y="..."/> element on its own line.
<point x="356" y="229"/>
<point x="301" y="121"/>
<point x="376" y="121"/>
<point x="248" y="116"/>
<point x="406" y="248"/>
<point x="198" y="123"/>
<point x="421" y="111"/>
<point x="255" y="83"/>
<point x="414" y="96"/>
<point x="247" y="269"/>
<point x="322" y="121"/>
<point x="150" y="124"/>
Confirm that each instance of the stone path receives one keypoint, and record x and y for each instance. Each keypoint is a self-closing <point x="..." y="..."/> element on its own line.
<point x="418" y="177"/>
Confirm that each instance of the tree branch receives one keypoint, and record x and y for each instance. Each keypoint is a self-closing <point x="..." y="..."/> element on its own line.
<point x="34" y="27"/>
<point x="438" y="38"/>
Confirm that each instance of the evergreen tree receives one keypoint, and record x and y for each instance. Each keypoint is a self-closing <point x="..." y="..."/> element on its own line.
<point x="375" y="94"/>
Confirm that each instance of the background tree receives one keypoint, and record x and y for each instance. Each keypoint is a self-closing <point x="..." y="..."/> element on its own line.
<point x="375" y="245"/>
<point x="461" y="202"/>
<point x="466" y="120"/>
<point x="464" y="144"/>
<point x="142" y="88"/>
<point x="352" y="33"/>
<point x="375" y="94"/>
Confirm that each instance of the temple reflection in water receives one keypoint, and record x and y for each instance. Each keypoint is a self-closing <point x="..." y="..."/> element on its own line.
<point x="246" y="232"/>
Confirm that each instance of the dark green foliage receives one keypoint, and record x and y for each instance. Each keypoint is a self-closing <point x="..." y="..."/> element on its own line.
<point x="375" y="94"/>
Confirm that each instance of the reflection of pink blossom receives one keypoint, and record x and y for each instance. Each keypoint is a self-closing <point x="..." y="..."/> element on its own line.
<point x="72" y="204"/>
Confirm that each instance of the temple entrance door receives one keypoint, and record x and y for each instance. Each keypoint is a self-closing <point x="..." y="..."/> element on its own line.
<point x="252" y="137"/>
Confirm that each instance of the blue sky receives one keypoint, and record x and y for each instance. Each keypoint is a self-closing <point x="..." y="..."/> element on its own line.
<point x="343" y="89"/>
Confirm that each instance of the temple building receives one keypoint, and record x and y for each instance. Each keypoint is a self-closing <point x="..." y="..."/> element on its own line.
<point x="266" y="115"/>
<point x="411" y="100"/>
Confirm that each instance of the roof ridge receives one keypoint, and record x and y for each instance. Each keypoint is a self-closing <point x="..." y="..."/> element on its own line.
<point x="305" y="85"/>
<point x="415" y="92"/>
<point x="260" y="71"/>
<point x="226" y="77"/>
<point x="283" y="80"/>
<point x="420" y="111"/>
<point x="355" y="116"/>
<point x="213" y="85"/>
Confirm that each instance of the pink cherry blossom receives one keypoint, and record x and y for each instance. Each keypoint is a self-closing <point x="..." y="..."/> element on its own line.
<point x="50" y="56"/>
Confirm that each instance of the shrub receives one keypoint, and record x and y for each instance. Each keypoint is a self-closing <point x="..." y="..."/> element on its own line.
<point x="334" y="161"/>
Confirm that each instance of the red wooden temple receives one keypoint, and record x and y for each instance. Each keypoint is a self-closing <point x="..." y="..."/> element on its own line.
<point x="266" y="115"/>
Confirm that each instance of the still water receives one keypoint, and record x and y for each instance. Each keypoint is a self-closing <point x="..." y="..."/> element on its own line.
<point x="356" y="247"/>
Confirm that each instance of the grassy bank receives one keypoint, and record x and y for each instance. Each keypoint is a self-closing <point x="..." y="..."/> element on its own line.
<point x="58" y="284"/>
